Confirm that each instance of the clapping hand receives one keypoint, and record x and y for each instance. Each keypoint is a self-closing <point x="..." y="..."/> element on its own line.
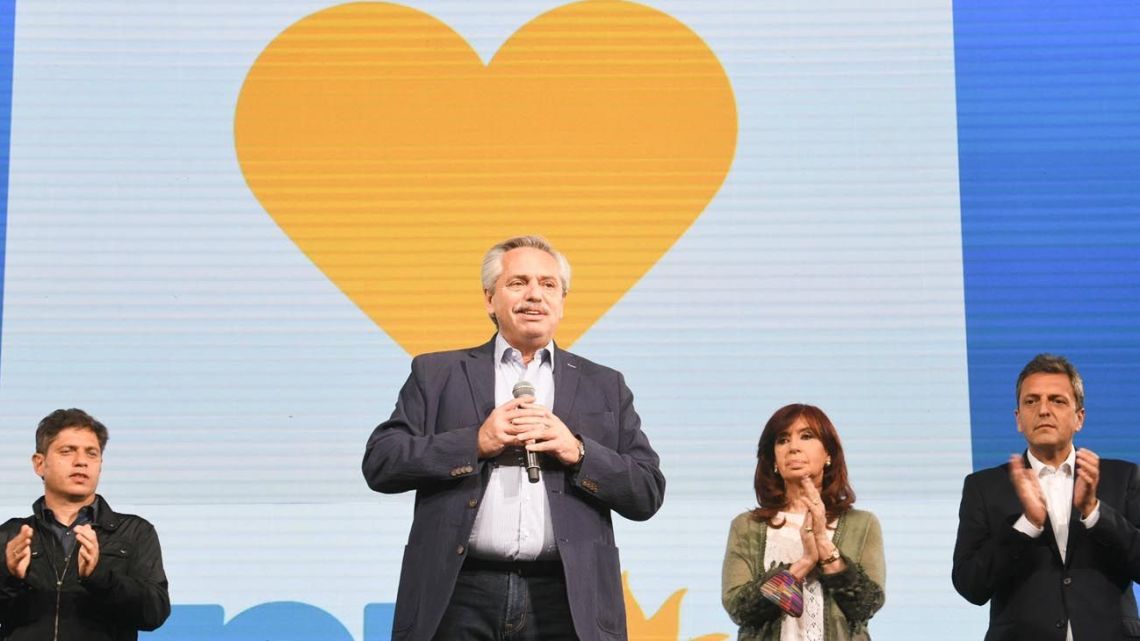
<point x="817" y="513"/>
<point x="802" y="567"/>
<point x="1029" y="491"/>
<point x="18" y="552"/>
<point x="88" y="549"/>
<point x="1085" y="482"/>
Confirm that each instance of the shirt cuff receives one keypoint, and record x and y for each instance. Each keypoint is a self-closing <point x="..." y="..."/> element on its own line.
<point x="1090" y="522"/>
<point x="1025" y="527"/>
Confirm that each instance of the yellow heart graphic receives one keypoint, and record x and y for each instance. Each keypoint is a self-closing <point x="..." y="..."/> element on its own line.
<point x="394" y="157"/>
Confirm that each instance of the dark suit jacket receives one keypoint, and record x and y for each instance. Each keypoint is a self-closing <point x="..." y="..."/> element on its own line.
<point x="430" y="445"/>
<point x="1032" y="594"/>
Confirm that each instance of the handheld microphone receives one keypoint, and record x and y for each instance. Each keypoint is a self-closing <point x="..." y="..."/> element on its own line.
<point x="524" y="388"/>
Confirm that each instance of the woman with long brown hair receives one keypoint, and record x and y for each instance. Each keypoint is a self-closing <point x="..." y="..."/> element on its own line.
<point x="804" y="565"/>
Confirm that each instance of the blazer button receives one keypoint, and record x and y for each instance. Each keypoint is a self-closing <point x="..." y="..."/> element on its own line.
<point x="1068" y="580"/>
<point x="1059" y="625"/>
<point x="472" y="502"/>
<point x="459" y="550"/>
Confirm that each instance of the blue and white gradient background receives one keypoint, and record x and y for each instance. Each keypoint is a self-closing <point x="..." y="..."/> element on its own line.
<point x="924" y="196"/>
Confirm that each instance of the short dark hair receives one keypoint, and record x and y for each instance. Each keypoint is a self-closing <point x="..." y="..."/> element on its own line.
<point x="1052" y="364"/>
<point x="60" y="420"/>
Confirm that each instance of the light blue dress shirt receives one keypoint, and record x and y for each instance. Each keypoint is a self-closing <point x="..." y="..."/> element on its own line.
<point x="513" y="522"/>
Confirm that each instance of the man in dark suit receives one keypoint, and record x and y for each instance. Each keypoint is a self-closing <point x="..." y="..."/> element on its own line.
<point x="1051" y="539"/>
<point x="491" y="554"/>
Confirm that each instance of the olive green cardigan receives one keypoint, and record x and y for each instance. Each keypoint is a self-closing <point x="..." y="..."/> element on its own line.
<point x="850" y="597"/>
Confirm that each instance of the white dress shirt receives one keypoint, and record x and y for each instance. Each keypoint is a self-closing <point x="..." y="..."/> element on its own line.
<point x="513" y="522"/>
<point x="1057" y="486"/>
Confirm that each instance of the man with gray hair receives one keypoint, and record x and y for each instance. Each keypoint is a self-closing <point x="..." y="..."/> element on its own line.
<point x="495" y="553"/>
<point x="1051" y="539"/>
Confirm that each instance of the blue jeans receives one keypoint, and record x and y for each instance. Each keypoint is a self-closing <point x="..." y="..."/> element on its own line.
<point x="492" y="604"/>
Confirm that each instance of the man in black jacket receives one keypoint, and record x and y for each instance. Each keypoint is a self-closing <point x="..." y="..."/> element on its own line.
<point x="76" y="569"/>
<point x="1052" y="539"/>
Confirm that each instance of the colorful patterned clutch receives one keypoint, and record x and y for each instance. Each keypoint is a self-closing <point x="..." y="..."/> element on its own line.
<point x="786" y="591"/>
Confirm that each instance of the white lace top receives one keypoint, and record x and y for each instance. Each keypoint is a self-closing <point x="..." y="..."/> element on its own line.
<point x="784" y="546"/>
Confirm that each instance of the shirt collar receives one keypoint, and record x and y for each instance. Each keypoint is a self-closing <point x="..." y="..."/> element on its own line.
<point x="86" y="514"/>
<point x="1041" y="469"/>
<point x="546" y="354"/>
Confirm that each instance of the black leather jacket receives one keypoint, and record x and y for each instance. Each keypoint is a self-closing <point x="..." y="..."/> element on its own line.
<point x="126" y="593"/>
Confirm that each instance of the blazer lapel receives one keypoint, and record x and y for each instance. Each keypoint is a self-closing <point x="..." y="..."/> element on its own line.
<point x="480" y="371"/>
<point x="1052" y="539"/>
<point x="1075" y="530"/>
<point x="565" y="382"/>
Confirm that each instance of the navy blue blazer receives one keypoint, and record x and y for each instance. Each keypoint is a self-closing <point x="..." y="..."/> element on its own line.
<point x="429" y="445"/>
<point x="1032" y="593"/>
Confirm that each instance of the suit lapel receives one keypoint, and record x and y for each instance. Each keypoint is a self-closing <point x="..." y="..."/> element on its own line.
<point x="565" y="382"/>
<point x="1075" y="530"/>
<point x="1052" y="539"/>
<point x="480" y="371"/>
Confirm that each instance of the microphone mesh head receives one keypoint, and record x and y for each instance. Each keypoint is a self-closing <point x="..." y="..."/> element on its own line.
<point x="522" y="388"/>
